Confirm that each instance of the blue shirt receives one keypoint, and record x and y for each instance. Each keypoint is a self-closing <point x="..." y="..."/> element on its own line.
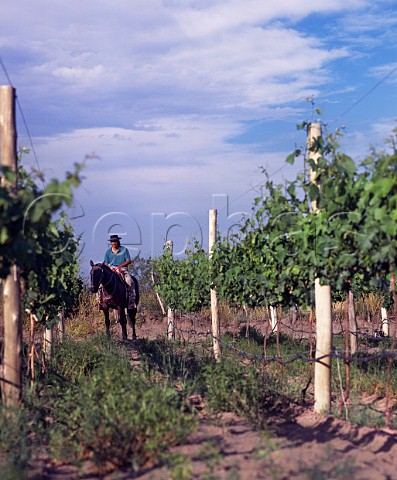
<point x="116" y="259"/>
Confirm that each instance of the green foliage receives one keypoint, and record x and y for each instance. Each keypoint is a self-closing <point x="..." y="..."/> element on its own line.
<point x="285" y="244"/>
<point x="43" y="248"/>
<point x="14" y="439"/>
<point x="93" y="404"/>
<point x="117" y="414"/>
<point x="142" y="268"/>
<point x="183" y="284"/>
<point x="57" y="285"/>
<point x="257" y="266"/>
<point x="74" y="360"/>
<point x="350" y="235"/>
<point x="122" y="419"/>
<point x="378" y="206"/>
<point x="230" y="386"/>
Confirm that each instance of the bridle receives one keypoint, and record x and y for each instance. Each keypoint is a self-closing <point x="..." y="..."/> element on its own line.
<point x="112" y="279"/>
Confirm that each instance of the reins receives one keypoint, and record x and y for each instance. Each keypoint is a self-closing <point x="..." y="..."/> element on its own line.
<point x="112" y="279"/>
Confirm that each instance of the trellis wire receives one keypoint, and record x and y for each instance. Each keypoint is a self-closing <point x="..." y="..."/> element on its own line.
<point x="295" y="357"/>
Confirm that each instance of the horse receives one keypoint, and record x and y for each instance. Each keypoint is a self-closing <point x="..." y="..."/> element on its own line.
<point x="113" y="294"/>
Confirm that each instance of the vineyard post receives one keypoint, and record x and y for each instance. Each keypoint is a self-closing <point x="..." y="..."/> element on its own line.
<point x="61" y="326"/>
<point x="169" y="245"/>
<point x="11" y="375"/>
<point x="385" y="321"/>
<point x="352" y="322"/>
<point x="216" y="332"/>
<point x="322" y="371"/>
<point x="273" y="318"/>
<point x="48" y="343"/>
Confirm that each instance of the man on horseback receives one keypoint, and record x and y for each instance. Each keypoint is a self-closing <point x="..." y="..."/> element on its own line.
<point x="117" y="257"/>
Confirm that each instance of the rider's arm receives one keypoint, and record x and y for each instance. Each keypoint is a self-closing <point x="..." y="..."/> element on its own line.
<point x="124" y="264"/>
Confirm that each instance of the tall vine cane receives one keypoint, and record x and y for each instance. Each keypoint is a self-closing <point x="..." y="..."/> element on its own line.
<point x="393" y="346"/>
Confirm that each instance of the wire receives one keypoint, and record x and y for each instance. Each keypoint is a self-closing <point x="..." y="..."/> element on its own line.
<point x="22" y="115"/>
<point x="5" y="72"/>
<point x="366" y="94"/>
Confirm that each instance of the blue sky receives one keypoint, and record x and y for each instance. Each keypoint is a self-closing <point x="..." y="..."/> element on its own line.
<point x="175" y="105"/>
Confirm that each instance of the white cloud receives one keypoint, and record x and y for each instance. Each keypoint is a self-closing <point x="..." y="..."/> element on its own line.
<point x="153" y="91"/>
<point x="232" y="14"/>
<point x="152" y="51"/>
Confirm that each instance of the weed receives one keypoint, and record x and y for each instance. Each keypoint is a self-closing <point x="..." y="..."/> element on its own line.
<point x="327" y="469"/>
<point x="92" y="404"/>
<point x="11" y="472"/>
<point x="117" y="416"/>
<point x="76" y="359"/>
<point x="178" y="466"/>
<point x="172" y="359"/>
<point x="265" y="451"/>
<point x="86" y="318"/>
<point x="15" y="444"/>
<point x="211" y="454"/>
<point x="237" y="388"/>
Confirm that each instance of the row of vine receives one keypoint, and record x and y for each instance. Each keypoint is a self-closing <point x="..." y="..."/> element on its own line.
<point x="283" y="246"/>
<point x="36" y="235"/>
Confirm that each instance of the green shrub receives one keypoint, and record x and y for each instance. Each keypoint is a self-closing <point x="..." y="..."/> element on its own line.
<point x="92" y="404"/>
<point x="15" y="444"/>
<point x="75" y="359"/>
<point x="230" y="386"/>
<point x="114" y="414"/>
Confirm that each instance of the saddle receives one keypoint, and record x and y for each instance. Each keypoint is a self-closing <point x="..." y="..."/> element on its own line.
<point x="129" y="289"/>
<point x="105" y="298"/>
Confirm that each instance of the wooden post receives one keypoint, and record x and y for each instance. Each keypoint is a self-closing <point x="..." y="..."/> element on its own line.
<point x="216" y="331"/>
<point x="273" y="319"/>
<point x="11" y="375"/>
<point x="353" y="328"/>
<point x="169" y="245"/>
<point x="61" y="330"/>
<point x="322" y="371"/>
<point x="32" y="349"/>
<point x="48" y="343"/>
<point x="385" y="321"/>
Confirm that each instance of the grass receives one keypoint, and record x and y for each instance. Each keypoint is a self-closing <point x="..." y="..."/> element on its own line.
<point x="87" y="320"/>
<point x="93" y="404"/>
<point x="291" y="380"/>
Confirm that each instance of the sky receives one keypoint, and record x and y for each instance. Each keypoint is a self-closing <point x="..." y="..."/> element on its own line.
<point x="177" y="106"/>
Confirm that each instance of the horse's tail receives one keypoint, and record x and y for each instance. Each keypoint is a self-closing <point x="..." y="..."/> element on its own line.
<point x="136" y="286"/>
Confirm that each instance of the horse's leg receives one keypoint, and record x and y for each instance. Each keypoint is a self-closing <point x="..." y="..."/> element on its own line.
<point x="123" y="323"/>
<point x="132" y="317"/>
<point x="107" y="321"/>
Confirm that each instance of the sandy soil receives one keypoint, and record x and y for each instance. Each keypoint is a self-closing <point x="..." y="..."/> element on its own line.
<point x="298" y="444"/>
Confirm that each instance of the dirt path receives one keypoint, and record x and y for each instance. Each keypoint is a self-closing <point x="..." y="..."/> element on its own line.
<point x="298" y="444"/>
<point x="309" y="447"/>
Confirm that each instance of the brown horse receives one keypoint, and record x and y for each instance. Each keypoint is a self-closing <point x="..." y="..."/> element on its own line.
<point x="113" y="294"/>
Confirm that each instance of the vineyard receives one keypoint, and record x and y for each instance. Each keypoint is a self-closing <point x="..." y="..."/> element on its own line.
<point x="329" y="234"/>
<point x="295" y="312"/>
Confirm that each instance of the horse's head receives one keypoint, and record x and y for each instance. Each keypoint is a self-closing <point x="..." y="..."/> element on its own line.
<point x="95" y="276"/>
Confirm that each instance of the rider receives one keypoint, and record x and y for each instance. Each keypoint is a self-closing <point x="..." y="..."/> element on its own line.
<point x="118" y="258"/>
